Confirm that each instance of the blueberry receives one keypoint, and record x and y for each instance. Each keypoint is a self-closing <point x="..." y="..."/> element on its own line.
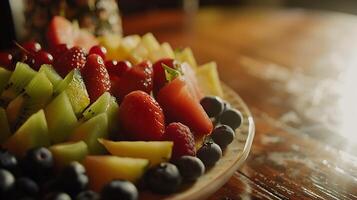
<point x="73" y="179"/>
<point x="223" y="135"/>
<point x="232" y="118"/>
<point x="38" y="163"/>
<point x="209" y="153"/>
<point x="190" y="167"/>
<point x="212" y="105"/>
<point x="117" y="189"/>
<point x="26" y="187"/>
<point x="57" y="196"/>
<point x="7" y="181"/>
<point x="88" y="195"/>
<point x="8" y="161"/>
<point x="164" y="178"/>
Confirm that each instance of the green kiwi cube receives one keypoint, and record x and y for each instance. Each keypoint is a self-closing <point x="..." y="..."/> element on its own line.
<point x="51" y="74"/>
<point x="4" y="78"/>
<point x="21" y="76"/>
<point x="4" y="124"/>
<point x="61" y="118"/>
<point x="33" y="133"/>
<point x="113" y="115"/>
<point x="90" y="131"/>
<point x="65" y="153"/>
<point x="76" y="90"/>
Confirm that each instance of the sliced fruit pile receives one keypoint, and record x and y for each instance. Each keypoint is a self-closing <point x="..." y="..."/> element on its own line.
<point x="74" y="124"/>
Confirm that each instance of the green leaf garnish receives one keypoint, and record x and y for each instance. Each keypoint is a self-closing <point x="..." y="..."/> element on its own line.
<point x="170" y="73"/>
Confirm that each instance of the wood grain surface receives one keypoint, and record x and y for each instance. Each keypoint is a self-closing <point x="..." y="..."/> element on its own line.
<point x="296" y="70"/>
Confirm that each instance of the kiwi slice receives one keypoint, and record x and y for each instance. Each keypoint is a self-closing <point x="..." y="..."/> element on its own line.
<point x="33" y="133"/>
<point x="60" y="118"/>
<point x="21" y="76"/>
<point x="35" y="97"/>
<point x="51" y="74"/>
<point x="113" y="115"/>
<point x="101" y="105"/>
<point x="76" y="90"/>
<point x="4" y="124"/>
<point x="4" y="78"/>
<point x="90" y="131"/>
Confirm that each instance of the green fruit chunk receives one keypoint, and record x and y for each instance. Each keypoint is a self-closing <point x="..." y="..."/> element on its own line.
<point x="33" y="133"/>
<point x="51" y="74"/>
<point x="90" y="131"/>
<point x="4" y="78"/>
<point x="21" y="76"/>
<point x="76" y="90"/>
<point x="35" y="97"/>
<point x="112" y="113"/>
<point x="66" y="153"/>
<point x="103" y="169"/>
<point x="4" y="124"/>
<point x="101" y="105"/>
<point x="60" y="118"/>
<point x="155" y="151"/>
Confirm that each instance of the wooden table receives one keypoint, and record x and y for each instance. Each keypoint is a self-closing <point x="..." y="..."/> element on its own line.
<point x="297" y="71"/>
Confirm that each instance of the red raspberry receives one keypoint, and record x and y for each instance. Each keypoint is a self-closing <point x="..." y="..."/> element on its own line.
<point x="184" y="143"/>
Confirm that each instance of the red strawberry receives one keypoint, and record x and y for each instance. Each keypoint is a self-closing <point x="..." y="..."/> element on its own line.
<point x="139" y="77"/>
<point x="141" y="117"/>
<point x="159" y="72"/>
<point x="60" y="31"/>
<point x="179" y="106"/>
<point x="184" y="143"/>
<point x="95" y="77"/>
<point x="73" y="58"/>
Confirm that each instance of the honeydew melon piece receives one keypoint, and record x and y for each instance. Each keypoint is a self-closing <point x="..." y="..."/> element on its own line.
<point x="165" y="51"/>
<point x="111" y="42"/>
<point x="65" y="153"/>
<point x="186" y="55"/>
<point x="33" y="133"/>
<point x="89" y="132"/>
<point x="103" y="169"/>
<point x="155" y="151"/>
<point x="61" y="118"/>
<point x="208" y="79"/>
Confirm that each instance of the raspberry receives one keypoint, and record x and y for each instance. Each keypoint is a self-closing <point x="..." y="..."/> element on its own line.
<point x="184" y="143"/>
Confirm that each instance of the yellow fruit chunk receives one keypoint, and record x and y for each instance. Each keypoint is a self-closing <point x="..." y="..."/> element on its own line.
<point x="66" y="153"/>
<point x="102" y="169"/>
<point x="186" y="55"/>
<point x="142" y="51"/>
<point x="155" y="151"/>
<point x="165" y="51"/>
<point x="208" y="79"/>
<point x="111" y="42"/>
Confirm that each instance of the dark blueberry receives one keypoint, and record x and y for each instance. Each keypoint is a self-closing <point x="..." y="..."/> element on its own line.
<point x="88" y="195"/>
<point x="226" y="106"/>
<point x="38" y="163"/>
<point x="213" y="105"/>
<point x="8" y="161"/>
<point x="223" y="135"/>
<point x="117" y="189"/>
<point x="209" y="153"/>
<point x="7" y="181"/>
<point x="232" y="118"/>
<point x="164" y="178"/>
<point x="57" y="196"/>
<point x="73" y="179"/>
<point x="26" y="187"/>
<point x="190" y="167"/>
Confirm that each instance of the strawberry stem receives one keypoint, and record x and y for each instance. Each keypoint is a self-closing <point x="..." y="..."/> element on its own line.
<point x="170" y="73"/>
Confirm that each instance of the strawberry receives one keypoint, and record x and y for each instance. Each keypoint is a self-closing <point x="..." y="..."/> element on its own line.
<point x="141" y="117"/>
<point x="184" y="143"/>
<point x="95" y="77"/>
<point x="138" y="77"/>
<point x="60" y="31"/>
<point x="71" y="59"/>
<point x="180" y="106"/>
<point x="159" y="72"/>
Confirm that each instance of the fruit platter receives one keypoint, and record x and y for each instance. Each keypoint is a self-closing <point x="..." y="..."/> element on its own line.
<point x="112" y="117"/>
